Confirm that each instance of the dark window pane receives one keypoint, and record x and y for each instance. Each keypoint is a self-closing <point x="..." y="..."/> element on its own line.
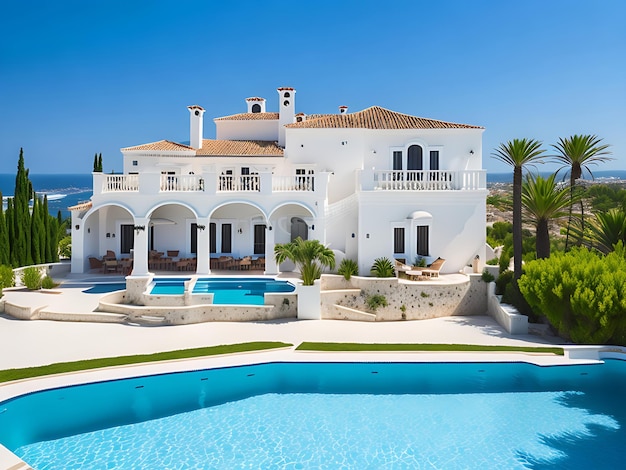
<point x="422" y="240"/>
<point x="398" y="240"/>
<point x="259" y="239"/>
<point x="434" y="159"/>
<point x="212" y="238"/>
<point x="127" y="238"/>
<point x="194" y="238"/>
<point x="397" y="160"/>
<point x="226" y="238"/>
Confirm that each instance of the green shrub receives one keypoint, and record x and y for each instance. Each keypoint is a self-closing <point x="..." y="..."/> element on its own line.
<point x="48" y="283"/>
<point x="505" y="261"/>
<point x="348" y="268"/>
<point x="493" y="261"/>
<point x="7" y="276"/>
<point x="487" y="276"/>
<point x="504" y="279"/>
<point x="31" y="278"/>
<point x="582" y="293"/>
<point x="383" y="267"/>
<point x="420" y="261"/>
<point x="375" y="301"/>
<point x="65" y="247"/>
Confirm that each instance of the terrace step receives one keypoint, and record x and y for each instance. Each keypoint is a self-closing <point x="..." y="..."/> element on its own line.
<point x="347" y="313"/>
<point x="98" y="317"/>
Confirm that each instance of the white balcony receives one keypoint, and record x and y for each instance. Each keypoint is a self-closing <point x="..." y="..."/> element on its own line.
<point x="114" y="183"/>
<point x="243" y="183"/>
<point x="431" y="180"/>
<point x="293" y="183"/>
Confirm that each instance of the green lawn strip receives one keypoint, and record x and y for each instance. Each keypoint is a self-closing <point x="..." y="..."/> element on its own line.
<point x="312" y="346"/>
<point x="65" y="367"/>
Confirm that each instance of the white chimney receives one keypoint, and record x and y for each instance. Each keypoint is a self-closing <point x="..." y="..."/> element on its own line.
<point x="195" y="126"/>
<point x="256" y="104"/>
<point x="286" y="113"/>
<point x="343" y="109"/>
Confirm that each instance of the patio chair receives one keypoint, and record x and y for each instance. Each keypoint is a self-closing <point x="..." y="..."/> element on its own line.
<point x="402" y="269"/>
<point x="172" y="253"/>
<point x="245" y="263"/>
<point x="434" y="268"/>
<point x="95" y="263"/>
<point x="182" y="265"/>
<point x="111" y="266"/>
<point x="109" y="256"/>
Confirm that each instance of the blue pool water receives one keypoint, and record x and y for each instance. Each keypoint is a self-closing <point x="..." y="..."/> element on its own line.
<point x="226" y="291"/>
<point x="345" y="415"/>
<point x="105" y="288"/>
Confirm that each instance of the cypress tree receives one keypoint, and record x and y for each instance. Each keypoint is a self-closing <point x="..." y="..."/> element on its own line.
<point x="53" y="239"/>
<point x="10" y="222"/>
<point x="5" y="256"/>
<point x="35" y="229"/>
<point x="22" y="222"/>
<point x="47" y="220"/>
<point x="95" y="162"/>
<point x="43" y="233"/>
<point x="100" y="163"/>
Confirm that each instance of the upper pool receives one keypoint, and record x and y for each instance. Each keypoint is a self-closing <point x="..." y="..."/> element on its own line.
<point x="331" y="415"/>
<point x="226" y="291"/>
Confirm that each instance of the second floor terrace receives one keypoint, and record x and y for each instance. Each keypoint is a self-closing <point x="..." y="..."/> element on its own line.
<point x="268" y="183"/>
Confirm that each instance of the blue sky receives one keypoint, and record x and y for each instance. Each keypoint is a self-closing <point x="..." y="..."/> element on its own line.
<point x="79" y="77"/>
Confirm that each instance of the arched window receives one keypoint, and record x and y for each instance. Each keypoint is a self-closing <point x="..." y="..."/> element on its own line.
<point x="287" y="94"/>
<point x="256" y="108"/>
<point x="415" y="162"/>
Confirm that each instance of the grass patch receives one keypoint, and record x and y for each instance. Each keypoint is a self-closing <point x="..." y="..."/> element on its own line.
<point x="310" y="346"/>
<point x="65" y="367"/>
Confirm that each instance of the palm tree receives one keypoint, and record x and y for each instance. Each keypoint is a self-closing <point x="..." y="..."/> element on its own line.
<point x="607" y="229"/>
<point x="517" y="153"/>
<point x="577" y="153"/>
<point x="310" y="256"/>
<point x="544" y="201"/>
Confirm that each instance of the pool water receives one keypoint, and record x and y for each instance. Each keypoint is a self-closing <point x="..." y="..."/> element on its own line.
<point x="238" y="291"/>
<point x="346" y="415"/>
<point x="226" y="291"/>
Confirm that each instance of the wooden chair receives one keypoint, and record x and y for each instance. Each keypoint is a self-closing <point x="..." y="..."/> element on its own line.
<point x="111" y="266"/>
<point x="95" y="263"/>
<point x="434" y="268"/>
<point x="172" y="253"/>
<point x="109" y="256"/>
<point x="402" y="269"/>
<point x="245" y="263"/>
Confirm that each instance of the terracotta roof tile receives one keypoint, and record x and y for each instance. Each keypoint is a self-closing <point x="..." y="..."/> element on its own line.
<point x="81" y="207"/>
<point x="161" y="145"/>
<point x="249" y="117"/>
<point x="375" y="118"/>
<point x="234" y="148"/>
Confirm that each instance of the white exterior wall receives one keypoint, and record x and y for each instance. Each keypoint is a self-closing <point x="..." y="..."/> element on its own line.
<point x="457" y="228"/>
<point x="262" y="129"/>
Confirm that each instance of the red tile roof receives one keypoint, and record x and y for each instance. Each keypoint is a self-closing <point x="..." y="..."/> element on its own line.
<point x="236" y="148"/>
<point x="160" y="146"/>
<point x="249" y="117"/>
<point x="374" y="118"/>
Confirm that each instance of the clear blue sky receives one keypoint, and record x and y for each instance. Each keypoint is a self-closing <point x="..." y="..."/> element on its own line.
<point x="79" y="77"/>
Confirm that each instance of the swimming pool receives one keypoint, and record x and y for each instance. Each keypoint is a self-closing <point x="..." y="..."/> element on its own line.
<point x="226" y="291"/>
<point x="331" y="415"/>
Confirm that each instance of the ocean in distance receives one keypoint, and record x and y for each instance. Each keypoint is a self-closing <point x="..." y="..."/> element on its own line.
<point x="66" y="190"/>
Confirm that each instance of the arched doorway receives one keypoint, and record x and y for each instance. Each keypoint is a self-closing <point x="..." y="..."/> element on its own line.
<point x="299" y="228"/>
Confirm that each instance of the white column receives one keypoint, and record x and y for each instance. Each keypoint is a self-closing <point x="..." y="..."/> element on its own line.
<point x="140" y="250"/>
<point x="270" y="262"/>
<point x="78" y="243"/>
<point x="202" y="252"/>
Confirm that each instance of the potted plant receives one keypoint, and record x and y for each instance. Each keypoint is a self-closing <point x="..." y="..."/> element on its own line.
<point x="310" y="257"/>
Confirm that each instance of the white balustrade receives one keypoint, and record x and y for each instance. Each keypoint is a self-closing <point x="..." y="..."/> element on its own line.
<point x="242" y="183"/>
<point x="293" y="183"/>
<point x="111" y="183"/>
<point x="429" y="180"/>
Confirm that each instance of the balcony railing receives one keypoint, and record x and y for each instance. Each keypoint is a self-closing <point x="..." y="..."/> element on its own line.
<point x="182" y="183"/>
<point x="293" y="183"/>
<point x="111" y="183"/>
<point x="243" y="183"/>
<point x="430" y="180"/>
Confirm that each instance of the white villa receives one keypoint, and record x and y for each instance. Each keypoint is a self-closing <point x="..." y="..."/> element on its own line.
<point x="369" y="184"/>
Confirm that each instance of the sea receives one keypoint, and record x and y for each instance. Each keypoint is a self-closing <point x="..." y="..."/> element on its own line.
<point x="66" y="190"/>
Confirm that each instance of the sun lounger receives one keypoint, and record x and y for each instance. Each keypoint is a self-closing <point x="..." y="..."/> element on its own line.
<point x="434" y="268"/>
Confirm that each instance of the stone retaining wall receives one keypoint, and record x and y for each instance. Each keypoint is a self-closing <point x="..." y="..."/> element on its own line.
<point x="406" y="300"/>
